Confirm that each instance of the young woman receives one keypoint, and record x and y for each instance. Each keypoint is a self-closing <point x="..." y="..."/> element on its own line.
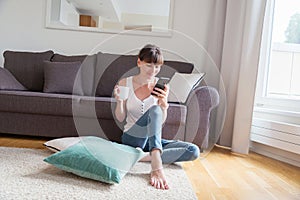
<point x="145" y="114"/>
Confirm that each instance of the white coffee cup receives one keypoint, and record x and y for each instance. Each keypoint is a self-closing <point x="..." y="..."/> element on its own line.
<point x="124" y="92"/>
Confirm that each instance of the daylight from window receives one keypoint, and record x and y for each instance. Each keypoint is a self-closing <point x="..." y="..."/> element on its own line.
<point x="284" y="64"/>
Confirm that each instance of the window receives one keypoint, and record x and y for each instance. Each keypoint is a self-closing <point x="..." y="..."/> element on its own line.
<point x="275" y="129"/>
<point x="278" y="85"/>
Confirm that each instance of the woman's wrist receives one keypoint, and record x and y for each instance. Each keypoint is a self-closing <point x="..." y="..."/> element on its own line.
<point x="120" y="104"/>
<point x="164" y="107"/>
<point x="118" y="100"/>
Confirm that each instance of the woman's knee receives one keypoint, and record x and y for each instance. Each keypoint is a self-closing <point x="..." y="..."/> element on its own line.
<point x="155" y="111"/>
<point x="194" y="151"/>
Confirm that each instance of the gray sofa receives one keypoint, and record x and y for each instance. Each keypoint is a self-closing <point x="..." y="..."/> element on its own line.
<point x="37" y="97"/>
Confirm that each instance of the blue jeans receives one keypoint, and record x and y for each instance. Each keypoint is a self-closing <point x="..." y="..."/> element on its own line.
<point x="146" y="134"/>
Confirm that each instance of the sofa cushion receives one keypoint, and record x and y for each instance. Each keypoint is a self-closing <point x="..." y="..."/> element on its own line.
<point x="87" y="70"/>
<point x="60" y="77"/>
<point x="54" y="104"/>
<point x="61" y="105"/>
<point x="170" y="67"/>
<point x="27" y="67"/>
<point x="110" y="68"/>
<point x="51" y="104"/>
<point x="106" y="69"/>
<point x="54" y="113"/>
<point x="64" y="58"/>
<point x="8" y="81"/>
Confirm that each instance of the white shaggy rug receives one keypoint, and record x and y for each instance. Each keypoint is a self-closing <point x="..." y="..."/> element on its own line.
<point x="24" y="175"/>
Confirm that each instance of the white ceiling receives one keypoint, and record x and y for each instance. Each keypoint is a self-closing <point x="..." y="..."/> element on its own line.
<point x="148" y="7"/>
<point x="112" y="9"/>
<point x="104" y="8"/>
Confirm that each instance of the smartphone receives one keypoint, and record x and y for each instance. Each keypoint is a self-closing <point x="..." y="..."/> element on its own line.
<point x="161" y="83"/>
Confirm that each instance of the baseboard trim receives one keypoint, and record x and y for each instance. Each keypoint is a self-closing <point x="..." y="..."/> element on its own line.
<point x="277" y="154"/>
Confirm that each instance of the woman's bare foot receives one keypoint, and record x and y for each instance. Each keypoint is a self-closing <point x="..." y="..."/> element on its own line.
<point x="146" y="158"/>
<point x="157" y="179"/>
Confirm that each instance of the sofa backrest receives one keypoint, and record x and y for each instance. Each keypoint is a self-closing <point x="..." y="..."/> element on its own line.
<point x="27" y="67"/>
<point x="109" y="69"/>
<point x="63" y="58"/>
<point x="99" y="72"/>
<point x="112" y="67"/>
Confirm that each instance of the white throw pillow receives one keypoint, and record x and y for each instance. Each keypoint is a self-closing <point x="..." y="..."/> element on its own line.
<point x="182" y="84"/>
<point x="60" y="144"/>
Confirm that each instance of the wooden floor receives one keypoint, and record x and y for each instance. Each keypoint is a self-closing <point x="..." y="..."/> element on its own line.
<point x="221" y="174"/>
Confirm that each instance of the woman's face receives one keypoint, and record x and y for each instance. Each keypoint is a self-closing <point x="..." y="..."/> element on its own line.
<point x="149" y="70"/>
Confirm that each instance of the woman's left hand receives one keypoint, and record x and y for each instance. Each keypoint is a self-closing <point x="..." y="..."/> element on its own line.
<point x="162" y="96"/>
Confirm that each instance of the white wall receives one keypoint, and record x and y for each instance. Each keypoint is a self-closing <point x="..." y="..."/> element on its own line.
<point x="23" y="29"/>
<point x="195" y="23"/>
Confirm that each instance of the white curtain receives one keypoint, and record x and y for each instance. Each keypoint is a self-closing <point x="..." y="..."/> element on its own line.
<point x="239" y="65"/>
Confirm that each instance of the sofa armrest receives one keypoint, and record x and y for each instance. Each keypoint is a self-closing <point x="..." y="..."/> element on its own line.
<point x="199" y="105"/>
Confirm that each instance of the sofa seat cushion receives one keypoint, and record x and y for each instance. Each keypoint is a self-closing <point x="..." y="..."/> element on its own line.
<point x="27" y="67"/>
<point x="61" y="105"/>
<point x="53" y="104"/>
<point x="35" y="103"/>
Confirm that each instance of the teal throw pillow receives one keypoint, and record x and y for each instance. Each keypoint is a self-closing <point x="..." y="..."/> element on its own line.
<point x="97" y="159"/>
